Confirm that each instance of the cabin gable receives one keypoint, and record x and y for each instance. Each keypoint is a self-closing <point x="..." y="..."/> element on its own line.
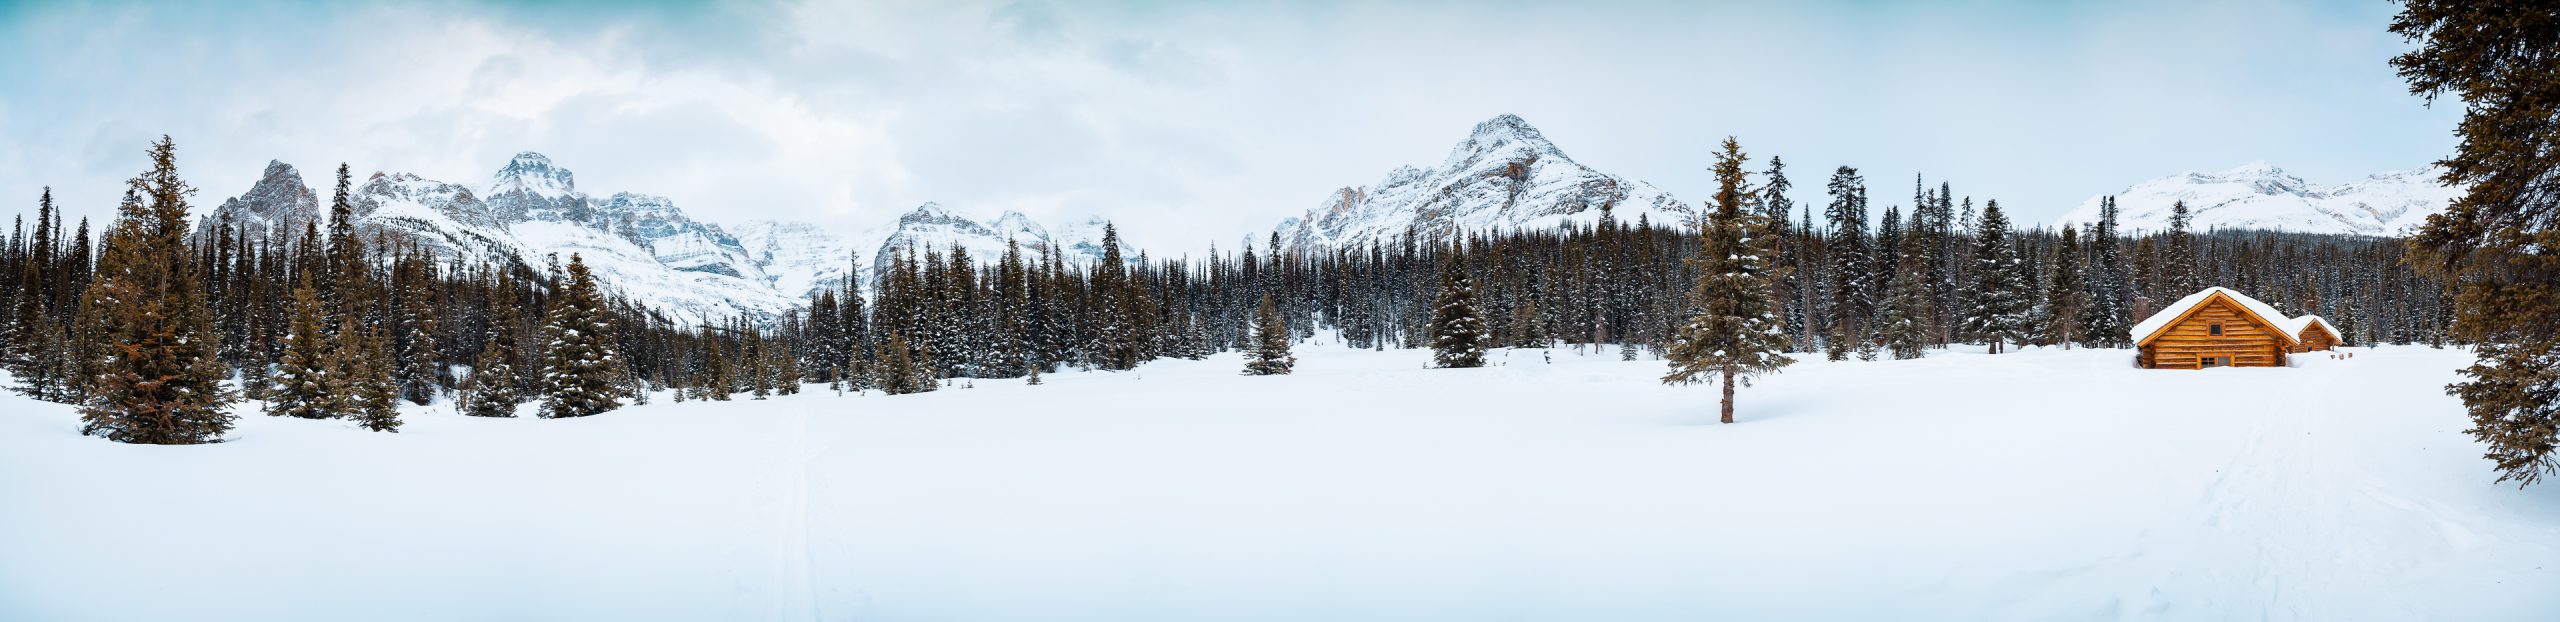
<point x="2216" y="332"/>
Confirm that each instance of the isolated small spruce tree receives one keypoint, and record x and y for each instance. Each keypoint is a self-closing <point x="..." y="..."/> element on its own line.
<point x="1457" y="329"/>
<point x="1268" y="355"/>
<point x="1733" y="332"/>
<point x="581" y="372"/>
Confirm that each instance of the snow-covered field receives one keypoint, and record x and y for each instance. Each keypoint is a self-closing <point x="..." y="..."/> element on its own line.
<point x="2031" y="486"/>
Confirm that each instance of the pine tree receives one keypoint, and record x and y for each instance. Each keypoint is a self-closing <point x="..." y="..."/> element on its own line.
<point x="1733" y="332"/>
<point x="2000" y="293"/>
<point x="495" y="388"/>
<point x="719" y="377"/>
<point x="304" y="384"/>
<point x="1904" y="325"/>
<point x="372" y="396"/>
<point x="754" y="359"/>
<point x="581" y="370"/>
<point x="1853" y="285"/>
<point x="2108" y="309"/>
<point x="2496" y="243"/>
<point x="1269" y="353"/>
<point x="158" y="381"/>
<point x="1457" y="330"/>
<point x="2180" y="259"/>
<point x="421" y="362"/>
<point x="2066" y="295"/>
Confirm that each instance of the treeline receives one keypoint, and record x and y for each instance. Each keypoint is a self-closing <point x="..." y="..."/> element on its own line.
<point x="334" y="321"/>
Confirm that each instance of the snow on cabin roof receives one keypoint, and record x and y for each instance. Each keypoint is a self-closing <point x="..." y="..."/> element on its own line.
<point x="2292" y="326"/>
<point x="2296" y="326"/>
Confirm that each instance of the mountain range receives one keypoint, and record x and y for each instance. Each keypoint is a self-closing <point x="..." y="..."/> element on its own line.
<point x="1505" y="175"/>
<point x="531" y="213"/>
<point x="2260" y="196"/>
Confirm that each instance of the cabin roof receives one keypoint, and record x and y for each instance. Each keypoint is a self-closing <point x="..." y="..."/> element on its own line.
<point x="2290" y="326"/>
<point x="2299" y="324"/>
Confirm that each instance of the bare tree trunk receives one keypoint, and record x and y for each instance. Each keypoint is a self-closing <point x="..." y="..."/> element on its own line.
<point x="1728" y="395"/>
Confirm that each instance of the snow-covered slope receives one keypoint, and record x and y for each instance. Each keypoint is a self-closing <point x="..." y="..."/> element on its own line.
<point x="280" y="200"/>
<point x="2260" y="196"/>
<point x="798" y="258"/>
<point x="1365" y="486"/>
<point x="1505" y="175"/>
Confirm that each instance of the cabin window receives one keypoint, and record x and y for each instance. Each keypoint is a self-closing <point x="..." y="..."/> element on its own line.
<point x="2216" y="329"/>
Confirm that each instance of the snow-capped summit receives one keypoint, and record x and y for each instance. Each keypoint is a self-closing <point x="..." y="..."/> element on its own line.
<point x="2258" y="195"/>
<point x="533" y="173"/>
<point x="530" y="187"/>
<point x="280" y="201"/>
<point x="1505" y="175"/>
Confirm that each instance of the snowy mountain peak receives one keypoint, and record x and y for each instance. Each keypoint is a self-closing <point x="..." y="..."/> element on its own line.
<point x="278" y="199"/>
<point x="1504" y="175"/>
<point x="2259" y="195"/>
<point x="1506" y="137"/>
<point x="534" y="174"/>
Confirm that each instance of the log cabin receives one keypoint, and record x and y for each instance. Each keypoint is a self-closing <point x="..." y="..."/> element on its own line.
<point x="2219" y="327"/>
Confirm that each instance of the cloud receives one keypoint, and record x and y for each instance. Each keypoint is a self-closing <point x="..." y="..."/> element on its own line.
<point x="1191" y="122"/>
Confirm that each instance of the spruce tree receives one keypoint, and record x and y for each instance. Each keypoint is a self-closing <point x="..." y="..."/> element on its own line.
<point x="2066" y="294"/>
<point x="2001" y="294"/>
<point x="372" y="395"/>
<point x="1852" y="272"/>
<point x="2496" y="243"/>
<point x="581" y="371"/>
<point x="2108" y="308"/>
<point x="304" y="385"/>
<point x="495" y="389"/>
<point x="1457" y="330"/>
<point x="719" y="377"/>
<point x="2180" y="260"/>
<point x="1732" y="332"/>
<point x="158" y="380"/>
<point x="1269" y="353"/>
<point x="1904" y="324"/>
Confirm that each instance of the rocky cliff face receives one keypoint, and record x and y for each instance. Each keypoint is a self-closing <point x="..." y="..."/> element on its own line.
<point x="279" y="201"/>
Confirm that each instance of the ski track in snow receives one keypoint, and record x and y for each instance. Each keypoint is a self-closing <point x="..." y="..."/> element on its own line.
<point x="2036" y="485"/>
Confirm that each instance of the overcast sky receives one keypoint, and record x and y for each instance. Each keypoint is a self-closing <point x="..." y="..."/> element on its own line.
<point x="1192" y="122"/>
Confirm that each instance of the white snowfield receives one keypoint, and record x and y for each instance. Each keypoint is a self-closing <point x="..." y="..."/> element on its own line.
<point x="2036" y="485"/>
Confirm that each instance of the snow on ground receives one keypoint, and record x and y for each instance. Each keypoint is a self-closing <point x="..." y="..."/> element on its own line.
<point x="2028" y="486"/>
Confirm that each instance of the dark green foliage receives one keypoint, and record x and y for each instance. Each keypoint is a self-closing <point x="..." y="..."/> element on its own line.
<point x="2499" y="244"/>
<point x="1732" y="332"/>
<point x="148" y="326"/>
<point x="1269" y="354"/>
<point x="581" y="370"/>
